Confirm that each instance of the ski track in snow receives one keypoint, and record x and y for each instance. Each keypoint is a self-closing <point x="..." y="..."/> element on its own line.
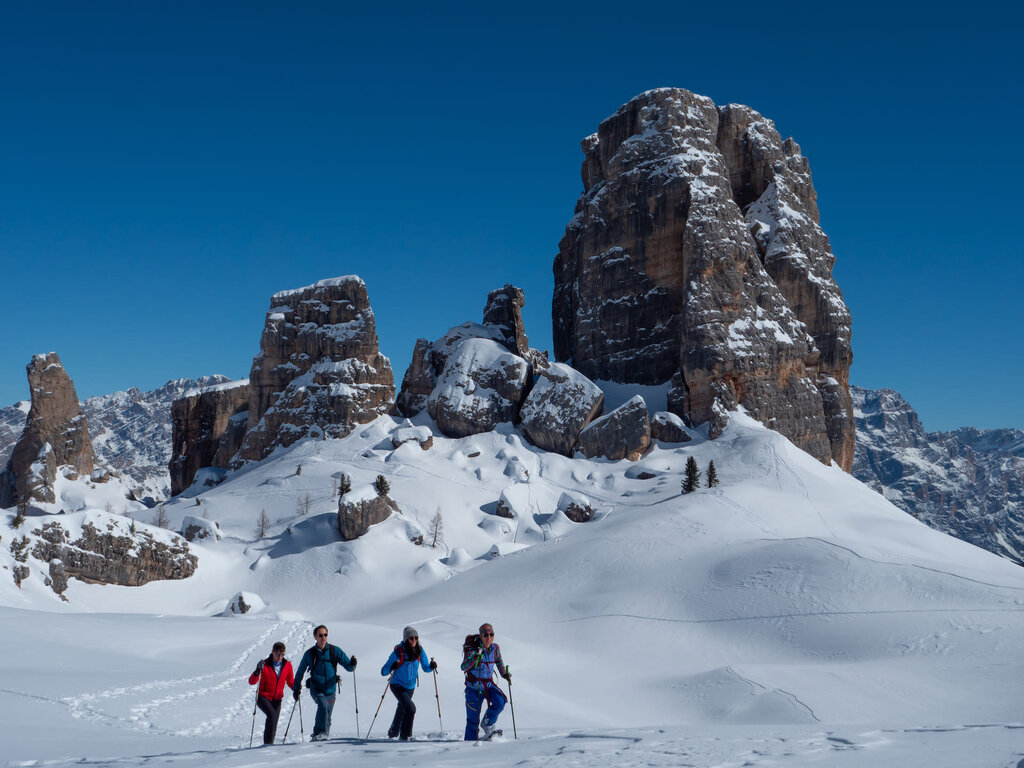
<point x="145" y="715"/>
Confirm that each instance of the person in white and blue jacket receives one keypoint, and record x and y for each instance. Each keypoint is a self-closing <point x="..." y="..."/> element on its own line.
<point x="404" y="665"/>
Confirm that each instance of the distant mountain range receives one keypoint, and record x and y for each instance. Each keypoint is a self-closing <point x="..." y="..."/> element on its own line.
<point x="130" y="431"/>
<point x="968" y="483"/>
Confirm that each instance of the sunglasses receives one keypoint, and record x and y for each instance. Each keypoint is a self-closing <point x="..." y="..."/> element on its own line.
<point x="486" y="634"/>
<point x="322" y="634"/>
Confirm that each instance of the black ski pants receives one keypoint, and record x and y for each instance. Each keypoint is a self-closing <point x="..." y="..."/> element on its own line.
<point x="402" y="724"/>
<point x="272" y="709"/>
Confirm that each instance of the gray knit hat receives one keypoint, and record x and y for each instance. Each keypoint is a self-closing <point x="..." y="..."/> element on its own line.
<point x="410" y="632"/>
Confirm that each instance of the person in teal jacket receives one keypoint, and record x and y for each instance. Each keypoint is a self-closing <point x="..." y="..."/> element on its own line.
<point x="321" y="660"/>
<point x="403" y="665"/>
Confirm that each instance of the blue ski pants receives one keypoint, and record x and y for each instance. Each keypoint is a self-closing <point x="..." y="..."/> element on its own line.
<point x="324" y="707"/>
<point x="475" y="696"/>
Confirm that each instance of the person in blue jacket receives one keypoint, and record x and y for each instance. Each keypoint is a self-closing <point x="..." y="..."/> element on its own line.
<point x="480" y="657"/>
<point x="321" y="660"/>
<point x="403" y="666"/>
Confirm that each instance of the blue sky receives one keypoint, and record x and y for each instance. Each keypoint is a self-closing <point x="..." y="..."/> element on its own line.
<point x="166" y="168"/>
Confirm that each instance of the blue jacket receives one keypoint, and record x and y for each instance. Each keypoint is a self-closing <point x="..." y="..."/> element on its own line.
<point x="407" y="674"/>
<point x="323" y="673"/>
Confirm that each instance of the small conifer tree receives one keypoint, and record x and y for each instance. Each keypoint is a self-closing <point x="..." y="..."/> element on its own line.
<point x="19" y="549"/>
<point x="344" y="485"/>
<point x="262" y="523"/>
<point x="298" y="470"/>
<point x="303" y="505"/>
<point x="436" y="532"/>
<point x="161" y="519"/>
<point x="19" y="518"/>
<point x="692" y="480"/>
<point x="712" y="475"/>
<point x="381" y="484"/>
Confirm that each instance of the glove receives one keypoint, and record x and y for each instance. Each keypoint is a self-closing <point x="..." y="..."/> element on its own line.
<point x="395" y="666"/>
<point x="259" y="665"/>
<point x="352" y="662"/>
<point x="507" y="674"/>
<point x="295" y="695"/>
<point x="433" y="666"/>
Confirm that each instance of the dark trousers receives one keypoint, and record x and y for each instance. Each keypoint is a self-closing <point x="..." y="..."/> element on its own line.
<point x="272" y="709"/>
<point x="402" y="724"/>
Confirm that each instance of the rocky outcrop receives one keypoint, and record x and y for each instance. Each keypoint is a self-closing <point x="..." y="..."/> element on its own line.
<point x="575" y="506"/>
<point x="198" y="528"/>
<point x="625" y="433"/>
<point x="695" y="257"/>
<point x="482" y="385"/>
<point x="56" y="434"/>
<point x="668" y="428"/>
<point x="419" y="435"/>
<point x="562" y="402"/>
<point x="358" y="511"/>
<point x="319" y="371"/>
<point x="110" y="550"/>
<point x="503" y="323"/>
<point x="968" y="483"/>
<point x="207" y="428"/>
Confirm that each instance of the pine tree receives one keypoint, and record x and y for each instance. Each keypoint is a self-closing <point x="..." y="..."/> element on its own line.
<point x="436" y="531"/>
<point x="19" y="518"/>
<point x="712" y="475"/>
<point x="262" y="523"/>
<point x="303" y="505"/>
<point x="344" y="485"/>
<point x="692" y="480"/>
<point x="298" y="470"/>
<point x="381" y="484"/>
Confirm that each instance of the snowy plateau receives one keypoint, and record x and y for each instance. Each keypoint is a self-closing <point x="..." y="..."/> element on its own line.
<point x="790" y="616"/>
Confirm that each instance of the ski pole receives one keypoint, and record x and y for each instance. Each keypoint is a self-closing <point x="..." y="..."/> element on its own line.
<point x="302" y="732"/>
<point x="255" y="704"/>
<point x="355" y="693"/>
<point x="388" y="683"/>
<point x="440" y="724"/>
<point x="511" y="703"/>
<point x="285" y="737"/>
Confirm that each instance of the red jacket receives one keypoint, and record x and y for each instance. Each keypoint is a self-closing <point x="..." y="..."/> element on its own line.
<point x="272" y="685"/>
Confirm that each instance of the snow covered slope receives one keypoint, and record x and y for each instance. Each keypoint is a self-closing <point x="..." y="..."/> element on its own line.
<point x="789" y="616"/>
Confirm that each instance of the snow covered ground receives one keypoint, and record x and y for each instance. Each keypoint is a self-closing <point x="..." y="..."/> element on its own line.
<point x="791" y="616"/>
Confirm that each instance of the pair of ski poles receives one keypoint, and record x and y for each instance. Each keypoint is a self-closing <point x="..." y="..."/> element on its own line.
<point x="387" y="685"/>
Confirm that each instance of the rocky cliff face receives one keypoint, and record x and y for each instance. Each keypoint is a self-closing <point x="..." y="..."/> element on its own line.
<point x="56" y="434"/>
<point x="208" y="426"/>
<point x="968" y="483"/>
<point x="130" y="432"/>
<point x="319" y="370"/>
<point x="695" y="256"/>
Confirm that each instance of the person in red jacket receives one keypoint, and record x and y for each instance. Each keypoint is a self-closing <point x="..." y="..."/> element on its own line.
<point x="273" y="674"/>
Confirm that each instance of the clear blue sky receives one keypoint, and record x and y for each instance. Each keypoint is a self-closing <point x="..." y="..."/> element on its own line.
<point x="167" y="167"/>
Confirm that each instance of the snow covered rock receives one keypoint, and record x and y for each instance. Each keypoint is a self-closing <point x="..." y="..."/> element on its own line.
<point x="242" y="603"/>
<point x="668" y="428"/>
<point x="420" y="435"/>
<point x="97" y="547"/>
<point x="361" y="508"/>
<point x="193" y="528"/>
<point x="661" y="277"/>
<point x="502" y="322"/>
<point x="625" y="433"/>
<point x="514" y="501"/>
<point x="56" y="434"/>
<point x="319" y="370"/>
<point x="482" y="386"/>
<point x="575" y="506"/>
<point x="561" y="403"/>
<point x="208" y="425"/>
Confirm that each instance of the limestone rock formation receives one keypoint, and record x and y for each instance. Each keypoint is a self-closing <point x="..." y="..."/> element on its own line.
<point x="207" y="428"/>
<point x="107" y="551"/>
<point x="668" y="428"/>
<point x="56" y="434"/>
<point x="419" y="435"/>
<point x="482" y="385"/>
<point x="319" y="371"/>
<point x="562" y="402"/>
<point x="358" y="510"/>
<point x="625" y="433"/>
<point x="503" y="323"/>
<point x="695" y="256"/>
<point x="193" y="528"/>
